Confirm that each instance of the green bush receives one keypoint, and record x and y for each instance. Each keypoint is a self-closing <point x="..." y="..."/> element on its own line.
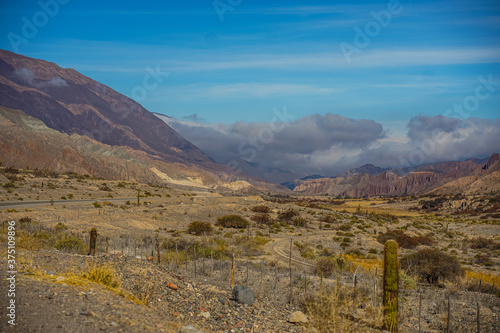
<point x="232" y="221"/>
<point x="407" y="282"/>
<point x="308" y="253"/>
<point x="200" y="228"/>
<point x="71" y="242"/>
<point x="60" y="227"/>
<point x="432" y="265"/>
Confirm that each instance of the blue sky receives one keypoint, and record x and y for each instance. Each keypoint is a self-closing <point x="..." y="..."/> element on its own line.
<point x="240" y="62"/>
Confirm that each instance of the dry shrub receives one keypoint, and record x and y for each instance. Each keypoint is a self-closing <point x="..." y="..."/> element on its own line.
<point x="299" y="221"/>
<point x="432" y="265"/>
<point x="331" y="310"/>
<point x="484" y="243"/>
<point x="200" y="228"/>
<point x="103" y="274"/>
<point x="262" y="218"/>
<point x="404" y="240"/>
<point x="261" y="209"/>
<point x="288" y="214"/>
<point x="325" y="266"/>
<point x="328" y="219"/>
<point x="322" y="309"/>
<point x="483" y="259"/>
<point x="232" y="221"/>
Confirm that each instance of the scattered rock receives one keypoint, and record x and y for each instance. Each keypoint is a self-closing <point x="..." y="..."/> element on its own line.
<point x="87" y="313"/>
<point x="190" y="329"/>
<point x="150" y="258"/>
<point x="172" y="286"/>
<point x="176" y="314"/>
<point x="205" y="314"/>
<point x="298" y="317"/>
<point x="60" y="278"/>
<point x="243" y="294"/>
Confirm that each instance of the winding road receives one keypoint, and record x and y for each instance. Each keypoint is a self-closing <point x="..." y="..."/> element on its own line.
<point x="26" y="204"/>
<point x="281" y="249"/>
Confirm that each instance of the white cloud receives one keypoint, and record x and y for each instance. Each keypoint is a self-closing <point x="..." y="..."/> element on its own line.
<point x="330" y="144"/>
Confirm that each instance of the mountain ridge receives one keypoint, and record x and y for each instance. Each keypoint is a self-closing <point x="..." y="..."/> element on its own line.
<point x="67" y="101"/>
<point x="421" y="180"/>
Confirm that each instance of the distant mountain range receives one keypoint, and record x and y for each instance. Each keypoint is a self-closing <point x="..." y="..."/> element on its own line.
<point x="368" y="180"/>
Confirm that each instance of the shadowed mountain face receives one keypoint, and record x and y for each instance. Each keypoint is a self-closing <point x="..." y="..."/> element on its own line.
<point x="72" y="103"/>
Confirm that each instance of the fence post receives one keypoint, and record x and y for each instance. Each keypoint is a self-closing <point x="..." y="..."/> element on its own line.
<point x="176" y="257"/>
<point x="168" y="257"/>
<point x="247" y="270"/>
<point x="477" y="319"/>
<point x="232" y="273"/>
<point x="419" y="312"/>
<point x="211" y="263"/>
<point x="194" y="260"/>
<point x="261" y="273"/>
<point x="305" y="283"/>
<point x="158" y="249"/>
<point x="220" y="266"/>
<point x="107" y="245"/>
<point x="275" y="277"/>
<point x="448" y="319"/>
<point x="93" y="241"/>
<point x="203" y="262"/>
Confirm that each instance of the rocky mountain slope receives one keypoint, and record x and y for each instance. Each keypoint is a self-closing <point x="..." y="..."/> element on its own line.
<point x="27" y="142"/>
<point x="423" y="179"/>
<point x="69" y="102"/>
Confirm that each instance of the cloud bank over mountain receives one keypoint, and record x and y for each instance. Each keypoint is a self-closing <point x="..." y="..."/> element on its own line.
<point x="330" y="144"/>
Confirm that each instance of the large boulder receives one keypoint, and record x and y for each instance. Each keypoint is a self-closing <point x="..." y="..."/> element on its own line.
<point x="243" y="294"/>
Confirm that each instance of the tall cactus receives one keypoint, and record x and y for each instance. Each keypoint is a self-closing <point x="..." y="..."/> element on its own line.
<point x="391" y="280"/>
